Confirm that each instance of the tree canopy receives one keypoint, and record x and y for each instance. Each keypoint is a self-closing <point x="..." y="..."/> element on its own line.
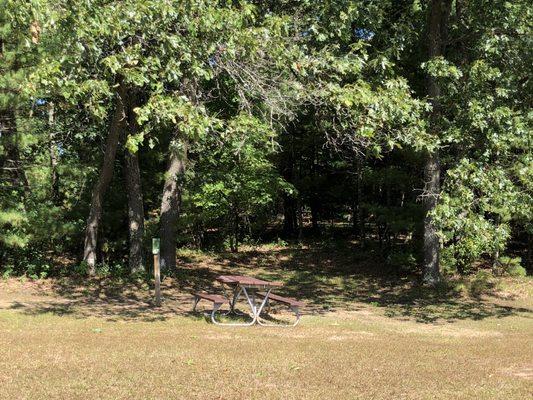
<point x="405" y="124"/>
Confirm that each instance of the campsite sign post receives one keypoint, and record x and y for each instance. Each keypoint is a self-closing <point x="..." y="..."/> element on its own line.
<point x="157" y="274"/>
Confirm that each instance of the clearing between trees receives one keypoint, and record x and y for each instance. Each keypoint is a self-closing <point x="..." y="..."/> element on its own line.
<point x="366" y="333"/>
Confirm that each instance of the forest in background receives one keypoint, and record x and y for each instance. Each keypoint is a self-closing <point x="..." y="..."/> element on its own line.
<point x="405" y="125"/>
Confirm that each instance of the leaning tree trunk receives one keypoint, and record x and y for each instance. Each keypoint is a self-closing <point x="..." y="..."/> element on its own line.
<point x="438" y="11"/>
<point x="171" y="202"/>
<point x="106" y="173"/>
<point x="135" y="199"/>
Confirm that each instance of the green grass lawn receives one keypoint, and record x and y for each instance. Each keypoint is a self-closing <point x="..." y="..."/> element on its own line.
<point x="361" y="337"/>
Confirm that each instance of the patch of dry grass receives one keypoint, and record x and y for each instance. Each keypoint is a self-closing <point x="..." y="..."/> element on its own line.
<point x="54" y="357"/>
<point x="366" y="335"/>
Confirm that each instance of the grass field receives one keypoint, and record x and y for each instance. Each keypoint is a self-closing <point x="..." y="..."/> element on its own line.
<point x="364" y="336"/>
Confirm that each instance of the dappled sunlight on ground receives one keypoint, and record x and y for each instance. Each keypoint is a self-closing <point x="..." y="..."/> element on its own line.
<point x="368" y="332"/>
<point x="330" y="280"/>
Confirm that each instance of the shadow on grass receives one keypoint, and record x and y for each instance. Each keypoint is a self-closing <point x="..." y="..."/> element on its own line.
<point x="331" y="279"/>
<point x="335" y="276"/>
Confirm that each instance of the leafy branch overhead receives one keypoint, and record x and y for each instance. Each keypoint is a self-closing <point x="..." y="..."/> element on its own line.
<point x="213" y="123"/>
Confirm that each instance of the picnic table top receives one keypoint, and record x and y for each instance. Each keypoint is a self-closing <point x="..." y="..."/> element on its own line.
<point x="246" y="281"/>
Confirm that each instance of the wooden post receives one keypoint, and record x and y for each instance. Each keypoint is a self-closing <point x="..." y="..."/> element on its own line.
<point x="157" y="274"/>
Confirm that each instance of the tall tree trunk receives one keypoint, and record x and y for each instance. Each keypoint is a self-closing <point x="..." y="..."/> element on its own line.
<point x="8" y="128"/>
<point x="299" y="206"/>
<point x="171" y="203"/>
<point x="290" y="222"/>
<point x="357" y="218"/>
<point x="289" y="215"/>
<point x="437" y="18"/>
<point x="314" y="200"/>
<point x="234" y="235"/>
<point x="54" y="178"/>
<point x="314" y="205"/>
<point x="431" y="239"/>
<point x="135" y="212"/>
<point x="106" y="174"/>
<point x="135" y="197"/>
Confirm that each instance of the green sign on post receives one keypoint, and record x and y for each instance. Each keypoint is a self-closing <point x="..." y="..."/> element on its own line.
<point x="157" y="276"/>
<point x="156" y="244"/>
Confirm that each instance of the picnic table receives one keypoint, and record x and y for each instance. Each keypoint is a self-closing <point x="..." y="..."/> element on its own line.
<point x="257" y="293"/>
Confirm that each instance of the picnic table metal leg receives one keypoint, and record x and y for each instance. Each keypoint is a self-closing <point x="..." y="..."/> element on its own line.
<point x="263" y="303"/>
<point x="251" y="301"/>
<point x="254" y="302"/>
<point x="196" y="300"/>
<point x="294" y="309"/>
<point x="216" y="306"/>
<point x="235" y="294"/>
<point x="256" y="309"/>
<point x="212" y="314"/>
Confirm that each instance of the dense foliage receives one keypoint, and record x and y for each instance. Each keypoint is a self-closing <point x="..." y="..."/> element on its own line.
<point x="213" y="123"/>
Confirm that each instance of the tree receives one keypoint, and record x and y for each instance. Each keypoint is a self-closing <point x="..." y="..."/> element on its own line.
<point x="228" y="113"/>
<point x="235" y="181"/>
<point x="19" y="33"/>
<point x="437" y="21"/>
<point x="135" y="196"/>
<point x="116" y="127"/>
<point x="486" y="84"/>
<point x="233" y="65"/>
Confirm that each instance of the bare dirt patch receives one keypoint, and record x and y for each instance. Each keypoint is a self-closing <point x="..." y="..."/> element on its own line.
<point x="523" y="371"/>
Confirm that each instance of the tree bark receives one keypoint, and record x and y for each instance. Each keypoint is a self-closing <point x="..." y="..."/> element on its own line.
<point x="289" y="216"/>
<point x="314" y="205"/>
<point x="9" y="131"/>
<point x="290" y="222"/>
<point x="299" y="207"/>
<point x="54" y="178"/>
<point x="431" y="239"/>
<point x="171" y="203"/>
<point x="234" y="235"/>
<point x="106" y="174"/>
<point x="135" y="197"/>
<point x="437" y="16"/>
<point x="357" y="218"/>
<point x="135" y="212"/>
<point x="314" y="199"/>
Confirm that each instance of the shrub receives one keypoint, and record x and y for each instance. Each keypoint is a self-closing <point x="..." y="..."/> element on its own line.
<point x="81" y="269"/>
<point x="511" y="266"/>
<point x="481" y="283"/>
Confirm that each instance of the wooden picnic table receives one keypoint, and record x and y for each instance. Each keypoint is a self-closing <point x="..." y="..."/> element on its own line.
<point x="247" y="286"/>
<point x="257" y="294"/>
<point x="247" y="281"/>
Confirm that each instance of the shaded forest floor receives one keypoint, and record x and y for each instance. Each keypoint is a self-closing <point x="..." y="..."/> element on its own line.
<point x="369" y="331"/>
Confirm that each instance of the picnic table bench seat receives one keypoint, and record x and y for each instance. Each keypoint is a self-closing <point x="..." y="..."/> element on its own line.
<point x="215" y="298"/>
<point x="285" y="300"/>
<point x="293" y="304"/>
